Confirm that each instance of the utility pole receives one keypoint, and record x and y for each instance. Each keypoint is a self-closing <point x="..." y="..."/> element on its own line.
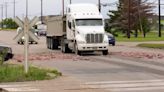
<point x="70" y="1"/>
<point x="6" y="4"/>
<point x="1" y="16"/>
<point x="14" y="9"/>
<point x="99" y="5"/>
<point x="41" y="17"/>
<point x="63" y="6"/>
<point x="159" y="6"/>
<point x="129" y="16"/>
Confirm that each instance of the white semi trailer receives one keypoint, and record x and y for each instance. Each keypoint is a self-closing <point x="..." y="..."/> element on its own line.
<point x="80" y="30"/>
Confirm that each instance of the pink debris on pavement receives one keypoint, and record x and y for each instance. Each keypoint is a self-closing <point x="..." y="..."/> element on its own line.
<point x="145" y="55"/>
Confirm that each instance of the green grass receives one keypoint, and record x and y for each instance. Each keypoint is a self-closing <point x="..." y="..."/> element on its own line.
<point x="152" y="36"/>
<point x="8" y="29"/>
<point x="15" y="73"/>
<point x="156" y="46"/>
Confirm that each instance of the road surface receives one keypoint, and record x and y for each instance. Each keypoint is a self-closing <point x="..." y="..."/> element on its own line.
<point x="113" y="73"/>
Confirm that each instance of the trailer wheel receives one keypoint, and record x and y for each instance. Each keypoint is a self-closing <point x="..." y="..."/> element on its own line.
<point x="51" y="45"/>
<point x="65" y="48"/>
<point x="48" y="43"/>
<point x="55" y="44"/>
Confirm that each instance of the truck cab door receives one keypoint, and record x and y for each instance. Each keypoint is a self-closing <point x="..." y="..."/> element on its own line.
<point x="70" y="31"/>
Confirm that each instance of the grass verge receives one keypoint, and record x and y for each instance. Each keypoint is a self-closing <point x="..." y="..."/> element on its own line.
<point x="8" y="29"/>
<point x="156" y="46"/>
<point x="121" y="39"/>
<point x="15" y="73"/>
<point x="152" y="36"/>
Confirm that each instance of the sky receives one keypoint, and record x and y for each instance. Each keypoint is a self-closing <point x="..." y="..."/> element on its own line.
<point x="53" y="7"/>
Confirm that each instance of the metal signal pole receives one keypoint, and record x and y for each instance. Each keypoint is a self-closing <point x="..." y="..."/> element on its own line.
<point x="26" y="45"/>
<point x="159" y="6"/>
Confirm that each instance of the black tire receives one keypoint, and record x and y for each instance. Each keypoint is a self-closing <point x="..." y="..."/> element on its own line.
<point x="36" y="42"/>
<point x="48" y="43"/>
<point x="55" y="44"/>
<point x="77" y="52"/>
<point x="105" y="52"/>
<point x="65" y="48"/>
<point x="51" y="43"/>
<point x="21" y="42"/>
<point x="113" y="44"/>
<point x="31" y="42"/>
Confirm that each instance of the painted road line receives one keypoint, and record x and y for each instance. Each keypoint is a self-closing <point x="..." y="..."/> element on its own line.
<point x="132" y="81"/>
<point x="19" y="88"/>
<point x="140" y="85"/>
<point x="143" y="89"/>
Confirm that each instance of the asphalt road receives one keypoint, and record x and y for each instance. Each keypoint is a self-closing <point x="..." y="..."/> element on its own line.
<point x="111" y="73"/>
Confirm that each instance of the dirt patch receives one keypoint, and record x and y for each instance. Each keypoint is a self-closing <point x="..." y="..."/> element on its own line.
<point x="50" y="56"/>
<point x="144" y="55"/>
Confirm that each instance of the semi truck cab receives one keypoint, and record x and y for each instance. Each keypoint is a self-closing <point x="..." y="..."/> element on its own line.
<point x="85" y="29"/>
<point x="81" y="29"/>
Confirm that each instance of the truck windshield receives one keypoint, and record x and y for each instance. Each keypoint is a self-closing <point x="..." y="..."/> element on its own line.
<point x="89" y="22"/>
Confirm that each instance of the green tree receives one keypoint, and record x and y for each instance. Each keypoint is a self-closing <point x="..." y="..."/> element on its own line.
<point x="133" y="15"/>
<point x="9" y="23"/>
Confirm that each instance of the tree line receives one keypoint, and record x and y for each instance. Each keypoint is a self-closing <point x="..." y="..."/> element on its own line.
<point x="131" y="17"/>
<point x="8" y="23"/>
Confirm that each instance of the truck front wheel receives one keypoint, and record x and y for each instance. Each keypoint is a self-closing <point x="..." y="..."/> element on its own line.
<point x="65" y="48"/>
<point x="105" y="52"/>
<point x="77" y="52"/>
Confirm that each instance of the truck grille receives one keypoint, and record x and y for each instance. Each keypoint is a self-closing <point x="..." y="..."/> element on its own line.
<point x="94" y="38"/>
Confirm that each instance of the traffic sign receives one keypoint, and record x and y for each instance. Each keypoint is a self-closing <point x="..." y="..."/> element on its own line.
<point x="26" y="31"/>
<point x="19" y="22"/>
<point x="30" y="33"/>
